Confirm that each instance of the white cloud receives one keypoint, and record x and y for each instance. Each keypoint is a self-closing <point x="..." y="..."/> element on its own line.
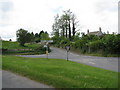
<point x="37" y="15"/>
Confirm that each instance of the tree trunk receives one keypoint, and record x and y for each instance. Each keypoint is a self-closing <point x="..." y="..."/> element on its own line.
<point x="69" y="30"/>
<point x="63" y="31"/>
<point x="66" y="28"/>
<point x="73" y="29"/>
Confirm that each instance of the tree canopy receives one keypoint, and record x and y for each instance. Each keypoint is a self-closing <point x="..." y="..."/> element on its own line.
<point x="65" y="25"/>
<point x="23" y="36"/>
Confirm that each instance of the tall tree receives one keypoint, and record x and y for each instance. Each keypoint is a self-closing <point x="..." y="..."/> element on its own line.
<point x="65" y="25"/>
<point x="33" y="37"/>
<point x="55" y="26"/>
<point x="23" y="36"/>
<point x="41" y="33"/>
<point x="45" y="36"/>
<point x="37" y="38"/>
<point x="36" y="35"/>
<point x="68" y="19"/>
<point x="74" y="24"/>
<point x="62" y="26"/>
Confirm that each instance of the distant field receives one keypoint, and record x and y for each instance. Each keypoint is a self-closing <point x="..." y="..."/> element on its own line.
<point x="15" y="48"/>
<point x="61" y="73"/>
<point x="15" y="45"/>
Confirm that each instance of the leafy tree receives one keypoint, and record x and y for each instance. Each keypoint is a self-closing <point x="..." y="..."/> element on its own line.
<point x="41" y="33"/>
<point x="36" y="35"/>
<point x="67" y="18"/>
<point x="56" y="26"/>
<point x="37" y="38"/>
<point x="32" y="37"/>
<point x="45" y="36"/>
<point x="29" y="37"/>
<point x="23" y="36"/>
<point x="65" y="25"/>
<point x="95" y="46"/>
<point x="111" y="43"/>
<point x="74" y="24"/>
<point x="10" y="39"/>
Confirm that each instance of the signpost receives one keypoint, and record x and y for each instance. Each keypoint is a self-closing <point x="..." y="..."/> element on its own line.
<point x="46" y="45"/>
<point x="47" y="41"/>
<point x="67" y="48"/>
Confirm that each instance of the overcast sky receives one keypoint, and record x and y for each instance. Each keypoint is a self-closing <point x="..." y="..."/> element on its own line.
<point x="37" y="15"/>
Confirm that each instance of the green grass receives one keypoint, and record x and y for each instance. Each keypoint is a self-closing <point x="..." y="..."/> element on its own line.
<point x="29" y="52"/>
<point x="60" y="73"/>
<point x="15" y="45"/>
<point x="15" y="48"/>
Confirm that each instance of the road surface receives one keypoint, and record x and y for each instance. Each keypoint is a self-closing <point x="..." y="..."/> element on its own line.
<point x="109" y="63"/>
<point x="11" y="80"/>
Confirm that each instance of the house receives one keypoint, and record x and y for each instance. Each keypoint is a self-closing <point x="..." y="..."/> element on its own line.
<point x="97" y="33"/>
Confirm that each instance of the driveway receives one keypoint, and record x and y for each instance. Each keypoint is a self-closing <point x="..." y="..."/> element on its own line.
<point x="109" y="63"/>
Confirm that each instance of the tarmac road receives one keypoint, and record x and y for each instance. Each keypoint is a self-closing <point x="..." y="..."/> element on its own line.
<point x="109" y="63"/>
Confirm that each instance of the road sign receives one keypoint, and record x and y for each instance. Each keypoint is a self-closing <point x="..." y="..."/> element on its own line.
<point x="45" y="45"/>
<point x="50" y="41"/>
<point x="43" y="40"/>
<point x="67" y="48"/>
<point x="47" y="41"/>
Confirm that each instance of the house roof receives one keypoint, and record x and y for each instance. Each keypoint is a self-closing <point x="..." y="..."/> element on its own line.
<point x="95" y="32"/>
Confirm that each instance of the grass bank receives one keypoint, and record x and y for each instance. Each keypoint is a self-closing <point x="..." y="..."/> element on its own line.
<point x="61" y="73"/>
<point x="16" y="45"/>
<point x="14" y="48"/>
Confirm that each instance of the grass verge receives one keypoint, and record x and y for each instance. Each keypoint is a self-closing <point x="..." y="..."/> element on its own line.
<point x="29" y="52"/>
<point x="60" y="73"/>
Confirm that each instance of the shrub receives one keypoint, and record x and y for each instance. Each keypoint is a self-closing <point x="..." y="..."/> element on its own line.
<point x="95" y="45"/>
<point x="111" y="43"/>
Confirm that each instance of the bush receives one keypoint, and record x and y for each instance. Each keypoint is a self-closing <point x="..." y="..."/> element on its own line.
<point x="81" y="45"/>
<point x="107" y="44"/>
<point x="111" y="43"/>
<point x="95" y="45"/>
<point x="42" y="49"/>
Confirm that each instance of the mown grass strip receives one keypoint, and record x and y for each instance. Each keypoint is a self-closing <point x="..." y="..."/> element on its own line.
<point x="61" y="73"/>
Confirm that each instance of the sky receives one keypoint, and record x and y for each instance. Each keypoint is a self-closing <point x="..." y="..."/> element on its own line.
<point x="37" y="15"/>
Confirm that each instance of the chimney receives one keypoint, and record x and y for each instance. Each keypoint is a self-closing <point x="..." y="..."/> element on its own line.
<point x="88" y="31"/>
